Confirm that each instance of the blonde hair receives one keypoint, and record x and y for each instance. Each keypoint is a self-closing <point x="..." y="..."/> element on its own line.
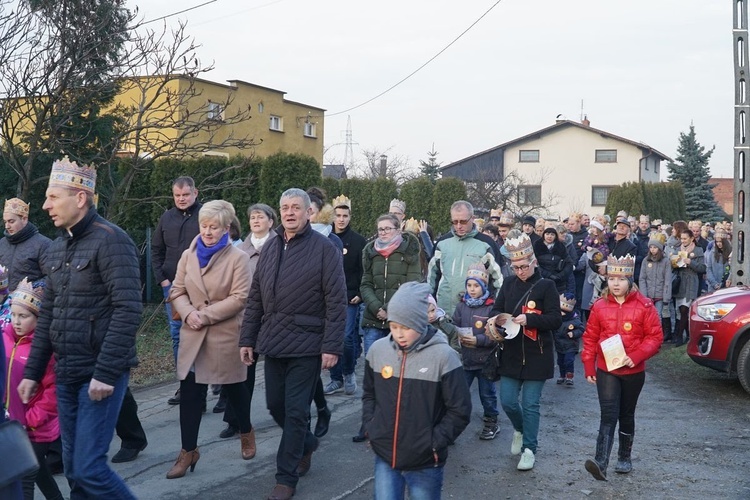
<point x="221" y="210"/>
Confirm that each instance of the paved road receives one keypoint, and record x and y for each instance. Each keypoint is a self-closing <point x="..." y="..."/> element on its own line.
<point x="689" y="444"/>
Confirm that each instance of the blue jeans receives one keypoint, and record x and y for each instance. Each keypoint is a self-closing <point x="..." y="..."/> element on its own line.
<point x="87" y="428"/>
<point x="487" y="394"/>
<point x="523" y="416"/>
<point x="174" y="325"/>
<point x="348" y="361"/>
<point x="566" y="361"/>
<point x="390" y="484"/>
<point x="371" y="335"/>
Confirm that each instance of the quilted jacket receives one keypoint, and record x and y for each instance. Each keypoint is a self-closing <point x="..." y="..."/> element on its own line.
<point x="23" y="254"/>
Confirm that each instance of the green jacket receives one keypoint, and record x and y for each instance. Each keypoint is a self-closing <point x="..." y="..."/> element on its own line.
<point x="382" y="277"/>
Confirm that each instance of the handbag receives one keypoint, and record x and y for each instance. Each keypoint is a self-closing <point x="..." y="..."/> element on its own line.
<point x="15" y="443"/>
<point x="676" y="281"/>
<point x="491" y="367"/>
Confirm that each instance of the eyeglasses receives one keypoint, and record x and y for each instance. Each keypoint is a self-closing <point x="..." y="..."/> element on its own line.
<point x="516" y="269"/>
<point x="396" y="213"/>
<point x="385" y="230"/>
<point x="459" y="222"/>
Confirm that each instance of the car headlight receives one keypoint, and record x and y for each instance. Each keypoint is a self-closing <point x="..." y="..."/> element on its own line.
<point x="714" y="312"/>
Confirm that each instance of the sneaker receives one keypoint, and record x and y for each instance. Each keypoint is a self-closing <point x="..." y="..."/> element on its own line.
<point x="527" y="460"/>
<point x="569" y="382"/>
<point x="515" y="447"/>
<point x="490" y="429"/>
<point x="333" y="387"/>
<point x="560" y="381"/>
<point x="350" y="384"/>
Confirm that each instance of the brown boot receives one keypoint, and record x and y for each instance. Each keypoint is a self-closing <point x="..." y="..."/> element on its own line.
<point x="184" y="460"/>
<point x="247" y="441"/>
<point x="281" y="492"/>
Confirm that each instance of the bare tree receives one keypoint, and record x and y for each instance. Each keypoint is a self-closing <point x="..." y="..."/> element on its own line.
<point x="512" y="192"/>
<point x="379" y="164"/>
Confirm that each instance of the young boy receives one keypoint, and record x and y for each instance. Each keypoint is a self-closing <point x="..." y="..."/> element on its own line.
<point x="471" y="315"/>
<point x="440" y="321"/>
<point x="567" y="339"/>
<point x="415" y="400"/>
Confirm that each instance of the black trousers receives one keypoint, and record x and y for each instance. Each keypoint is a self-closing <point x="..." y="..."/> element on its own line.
<point x="618" y="397"/>
<point x="192" y="396"/>
<point x="129" y="428"/>
<point x="230" y="414"/>
<point x="43" y="478"/>
<point x="290" y="385"/>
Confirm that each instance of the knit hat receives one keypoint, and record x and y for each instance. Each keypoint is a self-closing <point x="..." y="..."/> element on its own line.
<point x="622" y="267"/>
<point x="67" y="174"/>
<point x="528" y="219"/>
<point x="657" y="240"/>
<point x="567" y="302"/>
<point x="408" y="306"/>
<point x="478" y="273"/>
<point x="28" y="296"/>
<point x="16" y="206"/>
<point x="596" y="224"/>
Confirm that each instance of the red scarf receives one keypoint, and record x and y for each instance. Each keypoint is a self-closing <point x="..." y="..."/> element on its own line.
<point x="386" y="248"/>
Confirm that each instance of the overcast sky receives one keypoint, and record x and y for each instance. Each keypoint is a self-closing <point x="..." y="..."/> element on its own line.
<point x="645" y="69"/>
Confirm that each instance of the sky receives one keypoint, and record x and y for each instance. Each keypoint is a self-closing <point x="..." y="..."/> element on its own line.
<point x="643" y="69"/>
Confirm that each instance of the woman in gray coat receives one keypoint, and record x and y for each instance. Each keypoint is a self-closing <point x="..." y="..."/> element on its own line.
<point x="689" y="262"/>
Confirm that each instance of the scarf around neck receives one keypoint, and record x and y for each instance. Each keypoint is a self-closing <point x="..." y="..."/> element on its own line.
<point x="205" y="253"/>
<point x="386" y="248"/>
<point x="259" y="242"/>
<point x="471" y="302"/>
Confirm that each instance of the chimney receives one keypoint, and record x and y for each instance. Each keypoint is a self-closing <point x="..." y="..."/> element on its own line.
<point x="383" y="163"/>
<point x="585" y="122"/>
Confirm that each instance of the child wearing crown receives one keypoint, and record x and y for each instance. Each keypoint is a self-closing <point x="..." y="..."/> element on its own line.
<point x="567" y="339"/>
<point x="626" y="325"/>
<point x="470" y="319"/>
<point x="39" y="416"/>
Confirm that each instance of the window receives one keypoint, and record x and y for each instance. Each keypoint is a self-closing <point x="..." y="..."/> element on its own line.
<point x="528" y="156"/>
<point x="599" y="195"/>
<point x="605" y="156"/>
<point x="529" y="195"/>
<point x="276" y="123"/>
<point x="215" y="111"/>
<point x="309" y="129"/>
<point x="260" y="107"/>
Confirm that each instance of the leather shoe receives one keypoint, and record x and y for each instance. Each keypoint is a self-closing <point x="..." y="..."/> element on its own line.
<point x="127" y="454"/>
<point x="324" y="420"/>
<point x="174" y="400"/>
<point x="230" y="431"/>
<point x="361" y="436"/>
<point x="281" y="492"/>
<point x="306" y="461"/>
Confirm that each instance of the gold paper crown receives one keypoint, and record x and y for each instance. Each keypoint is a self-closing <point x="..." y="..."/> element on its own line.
<point x="16" y="206"/>
<point x="656" y="222"/>
<point x="479" y="222"/>
<point x="506" y="219"/>
<point x="412" y="225"/>
<point x="396" y="203"/>
<point x="28" y="296"/>
<point x="495" y="213"/>
<point x="67" y="174"/>
<point x="566" y="304"/>
<point x="342" y="201"/>
<point x="622" y="267"/>
<point x="519" y="248"/>
<point x="477" y="271"/>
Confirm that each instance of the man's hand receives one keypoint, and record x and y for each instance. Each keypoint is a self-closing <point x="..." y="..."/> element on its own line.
<point x="355" y="300"/>
<point x="165" y="283"/>
<point x="246" y="355"/>
<point x="329" y="361"/>
<point x="26" y="390"/>
<point x="382" y="315"/>
<point x="99" y="390"/>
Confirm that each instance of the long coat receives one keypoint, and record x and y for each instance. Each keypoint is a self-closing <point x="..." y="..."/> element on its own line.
<point x="219" y="291"/>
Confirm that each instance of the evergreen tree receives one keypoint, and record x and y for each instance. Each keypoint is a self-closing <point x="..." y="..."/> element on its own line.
<point x="691" y="170"/>
<point x="431" y="168"/>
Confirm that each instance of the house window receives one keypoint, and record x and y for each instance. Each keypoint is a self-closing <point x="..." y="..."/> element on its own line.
<point x="528" y="156"/>
<point x="529" y="195"/>
<point x="215" y="111"/>
<point x="260" y="107"/>
<point x="605" y="156"/>
<point x="600" y="194"/>
<point x="309" y="129"/>
<point x="276" y="123"/>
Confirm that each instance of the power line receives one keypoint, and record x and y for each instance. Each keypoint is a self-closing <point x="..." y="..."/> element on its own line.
<point x="419" y="68"/>
<point x="180" y="12"/>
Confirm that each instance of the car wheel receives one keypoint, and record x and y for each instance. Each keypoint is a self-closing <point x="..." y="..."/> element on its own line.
<point x="743" y="367"/>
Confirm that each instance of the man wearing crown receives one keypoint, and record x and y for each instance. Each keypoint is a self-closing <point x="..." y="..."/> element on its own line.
<point x="88" y="319"/>
<point x="23" y="249"/>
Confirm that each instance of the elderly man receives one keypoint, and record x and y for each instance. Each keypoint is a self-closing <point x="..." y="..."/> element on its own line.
<point x="455" y="251"/>
<point x="88" y="319"/>
<point x="295" y="316"/>
<point x="23" y="250"/>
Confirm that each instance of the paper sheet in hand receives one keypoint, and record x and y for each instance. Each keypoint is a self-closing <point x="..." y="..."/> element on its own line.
<point x="511" y="329"/>
<point x="614" y="352"/>
<point x="465" y="331"/>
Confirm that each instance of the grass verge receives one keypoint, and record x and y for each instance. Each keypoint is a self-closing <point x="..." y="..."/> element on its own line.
<point x="154" y="345"/>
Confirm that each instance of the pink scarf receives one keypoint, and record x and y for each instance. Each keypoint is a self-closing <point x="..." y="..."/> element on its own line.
<point x="386" y="248"/>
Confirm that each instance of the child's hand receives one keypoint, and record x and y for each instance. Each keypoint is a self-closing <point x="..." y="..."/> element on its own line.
<point x="468" y="341"/>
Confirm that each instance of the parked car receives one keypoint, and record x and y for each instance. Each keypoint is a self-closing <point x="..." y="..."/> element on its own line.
<point x="720" y="332"/>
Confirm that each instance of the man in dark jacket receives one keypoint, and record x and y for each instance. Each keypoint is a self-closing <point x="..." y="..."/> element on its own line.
<point x="579" y="233"/>
<point x="642" y="236"/>
<point x="342" y="375"/>
<point x="88" y="319"/>
<point x="23" y="249"/>
<point x="295" y="316"/>
<point x="620" y="245"/>
<point x="177" y="228"/>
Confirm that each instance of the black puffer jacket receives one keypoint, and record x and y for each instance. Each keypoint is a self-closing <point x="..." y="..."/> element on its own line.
<point x="555" y="263"/>
<point x="172" y="236"/>
<point x="23" y="255"/>
<point x="297" y="302"/>
<point x="92" y="305"/>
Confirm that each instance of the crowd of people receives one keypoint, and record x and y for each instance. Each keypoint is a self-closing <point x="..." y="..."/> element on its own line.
<point x="309" y="294"/>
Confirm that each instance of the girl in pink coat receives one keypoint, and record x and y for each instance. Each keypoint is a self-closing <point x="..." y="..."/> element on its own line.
<point x="39" y="416"/>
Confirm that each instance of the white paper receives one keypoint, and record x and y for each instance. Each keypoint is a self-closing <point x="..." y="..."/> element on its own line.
<point x="614" y="352"/>
<point x="465" y="331"/>
<point x="511" y="329"/>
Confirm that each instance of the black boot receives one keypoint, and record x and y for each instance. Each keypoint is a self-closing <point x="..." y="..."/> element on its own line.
<point x="666" y="328"/>
<point x="324" y="419"/>
<point x="361" y="436"/>
<point x="624" y="465"/>
<point x="598" y="466"/>
<point x="677" y="335"/>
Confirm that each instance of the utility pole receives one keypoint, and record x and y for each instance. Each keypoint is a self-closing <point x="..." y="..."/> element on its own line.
<point x="740" y="265"/>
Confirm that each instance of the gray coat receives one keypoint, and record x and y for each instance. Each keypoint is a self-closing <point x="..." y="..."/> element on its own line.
<point x="690" y="281"/>
<point x="655" y="280"/>
<point x="714" y="270"/>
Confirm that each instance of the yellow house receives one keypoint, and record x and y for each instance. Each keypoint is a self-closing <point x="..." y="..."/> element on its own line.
<point x="217" y="119"/>
<point x="566" y="167"/>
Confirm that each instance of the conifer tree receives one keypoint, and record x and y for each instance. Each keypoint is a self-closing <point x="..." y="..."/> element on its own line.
<point x="691" y="169"/>
<point x="431" y="168"/>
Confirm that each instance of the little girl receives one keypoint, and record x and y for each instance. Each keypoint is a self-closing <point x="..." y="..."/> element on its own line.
<point x="39" y="416"/>
<point x="472" y="312"/>
<point x="567" y="339"/>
